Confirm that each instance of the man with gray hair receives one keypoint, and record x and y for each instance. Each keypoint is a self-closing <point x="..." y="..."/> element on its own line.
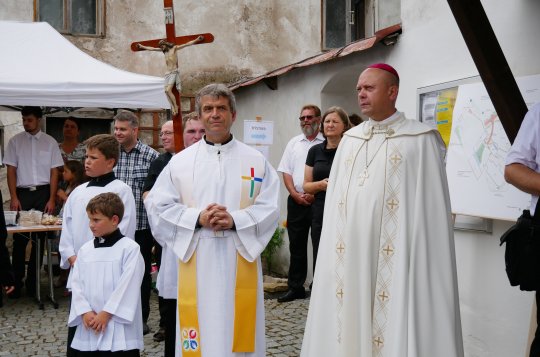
<point x="216" y="206"/>
<point x="132" y="168"/>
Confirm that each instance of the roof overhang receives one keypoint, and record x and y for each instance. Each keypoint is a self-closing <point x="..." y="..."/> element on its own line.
<point x="387" y="36"/>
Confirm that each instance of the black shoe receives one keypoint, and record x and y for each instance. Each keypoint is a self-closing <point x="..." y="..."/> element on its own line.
<point x="160" y="335"/>
<point x="292" y="295"/>
<point x="145" y="328"/>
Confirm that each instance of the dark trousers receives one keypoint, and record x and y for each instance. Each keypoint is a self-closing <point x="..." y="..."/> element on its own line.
<point x="299" y="219"/>
<point x="535" y="346"/>
<point x="29" y="200"/>
<point x="167" y="311"/>
<point x="71" y="335"/>
<point x="146" y="241"/>
<point x="317" y="209"/>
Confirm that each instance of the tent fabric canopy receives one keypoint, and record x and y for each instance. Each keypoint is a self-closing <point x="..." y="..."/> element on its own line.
<point x="39" y="67"/>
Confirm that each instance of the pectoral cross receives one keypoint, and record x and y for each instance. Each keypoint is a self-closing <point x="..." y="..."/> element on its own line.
<point x="171" y="37"/>
<point x="363" y="176"/>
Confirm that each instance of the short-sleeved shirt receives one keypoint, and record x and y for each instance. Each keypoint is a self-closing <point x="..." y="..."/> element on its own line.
<point x="34" y="156"/>
<point x="293" y="161"/>
<point x="155" y="169"/>
<point x="79" y="153"/>
<point x="526" y="147"/>
<point x="321" y="159"/>
<point x="132" y="168"/>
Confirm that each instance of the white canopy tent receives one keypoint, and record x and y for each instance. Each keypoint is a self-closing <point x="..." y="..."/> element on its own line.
<point x="39" y="67"/>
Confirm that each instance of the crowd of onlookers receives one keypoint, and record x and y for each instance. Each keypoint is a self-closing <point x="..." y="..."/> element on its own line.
<point x="42" y="174"/>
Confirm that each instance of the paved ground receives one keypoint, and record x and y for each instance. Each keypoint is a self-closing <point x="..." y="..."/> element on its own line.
<point x="27" y="331"/>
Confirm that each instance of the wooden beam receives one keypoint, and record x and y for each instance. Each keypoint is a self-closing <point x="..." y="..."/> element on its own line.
<point x="491" y="63"/>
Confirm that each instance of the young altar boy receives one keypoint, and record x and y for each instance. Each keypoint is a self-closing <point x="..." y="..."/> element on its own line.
<point x="102" y="152"/>
<point x="105" y="286"/>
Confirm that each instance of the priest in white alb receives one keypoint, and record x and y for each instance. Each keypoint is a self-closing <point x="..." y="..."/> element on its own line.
<point x="216" y="206"/>
<point x="385" y="282"/>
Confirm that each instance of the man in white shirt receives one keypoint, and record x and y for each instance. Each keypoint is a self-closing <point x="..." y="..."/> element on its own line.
<point x="299" y="216"/>
<point x="32" y="159"/>
<point x="522" y="166"/>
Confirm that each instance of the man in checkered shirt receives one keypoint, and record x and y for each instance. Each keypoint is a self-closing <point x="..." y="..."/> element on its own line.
<point x="132" y="168"/>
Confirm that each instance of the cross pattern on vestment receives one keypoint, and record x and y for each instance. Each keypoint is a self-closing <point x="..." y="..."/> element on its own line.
<point x="384" y="296"/>
<point x="392" y="204"/>
<point x="340" y="293"/>
<point x="388" y="250"/>
<point x="171" y="37"/>
<point x="253" y="179"/>
<point x="349" y="161"/>
<point x="340" y="248"/>
<point x="395" y="159"/>
<point x="378" y="341"/>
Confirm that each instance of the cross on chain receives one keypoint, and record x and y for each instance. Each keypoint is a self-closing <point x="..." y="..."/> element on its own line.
<point x="363" y="176"/>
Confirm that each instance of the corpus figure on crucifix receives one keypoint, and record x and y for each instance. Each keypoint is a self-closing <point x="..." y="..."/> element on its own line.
<point x="172" y="76"/>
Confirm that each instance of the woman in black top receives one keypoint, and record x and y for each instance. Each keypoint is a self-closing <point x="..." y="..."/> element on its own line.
<point x="318" y="164"/>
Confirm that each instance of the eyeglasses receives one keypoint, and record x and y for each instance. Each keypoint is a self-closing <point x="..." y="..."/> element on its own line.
<point x="306" y="117"/>
<point x="165" y="133"/>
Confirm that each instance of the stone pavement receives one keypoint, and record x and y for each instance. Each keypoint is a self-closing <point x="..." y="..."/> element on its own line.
<point x="27" y="331"/>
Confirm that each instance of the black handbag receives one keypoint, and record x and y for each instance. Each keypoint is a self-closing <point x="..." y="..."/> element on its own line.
<point x="522" y="254"/>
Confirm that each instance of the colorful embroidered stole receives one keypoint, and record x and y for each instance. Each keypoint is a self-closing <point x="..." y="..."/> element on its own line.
<point x="245" y="306"/>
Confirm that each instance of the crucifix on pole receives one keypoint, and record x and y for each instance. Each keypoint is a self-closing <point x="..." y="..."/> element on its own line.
<point x="169" y="47"/>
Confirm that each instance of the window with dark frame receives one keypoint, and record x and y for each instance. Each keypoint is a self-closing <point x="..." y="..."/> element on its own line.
<point x="346" y="21"/>
<point x="75" y="17"/>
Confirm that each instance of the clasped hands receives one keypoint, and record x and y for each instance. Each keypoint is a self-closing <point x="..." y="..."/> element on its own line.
<point x="97" y="322"/>
<point x="216" y="217"/>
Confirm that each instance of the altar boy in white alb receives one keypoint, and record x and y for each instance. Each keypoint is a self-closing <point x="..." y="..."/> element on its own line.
<point x="106" y="281"/>
<point x="216" y="206"/>
<point x="385" y="283"/>
<point x="102" y="153"/>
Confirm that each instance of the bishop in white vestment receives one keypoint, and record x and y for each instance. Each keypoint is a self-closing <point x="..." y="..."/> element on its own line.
<point x="239" y="178"/>
<point x="385" y="282"/>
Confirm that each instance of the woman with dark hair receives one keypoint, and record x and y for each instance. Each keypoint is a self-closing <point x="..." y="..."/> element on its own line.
<point x="318" y="164"/>
<point x="71" y="148"/>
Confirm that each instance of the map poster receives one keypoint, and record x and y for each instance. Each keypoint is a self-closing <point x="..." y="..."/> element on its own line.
<point x="477" y="152"/>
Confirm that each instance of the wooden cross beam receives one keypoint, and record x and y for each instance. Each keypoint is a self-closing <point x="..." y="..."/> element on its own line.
<point x="491" y="63"/>
<point x="172" y="38"/>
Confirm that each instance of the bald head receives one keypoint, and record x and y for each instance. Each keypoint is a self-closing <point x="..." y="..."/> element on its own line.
<point x="377" y="93"/>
